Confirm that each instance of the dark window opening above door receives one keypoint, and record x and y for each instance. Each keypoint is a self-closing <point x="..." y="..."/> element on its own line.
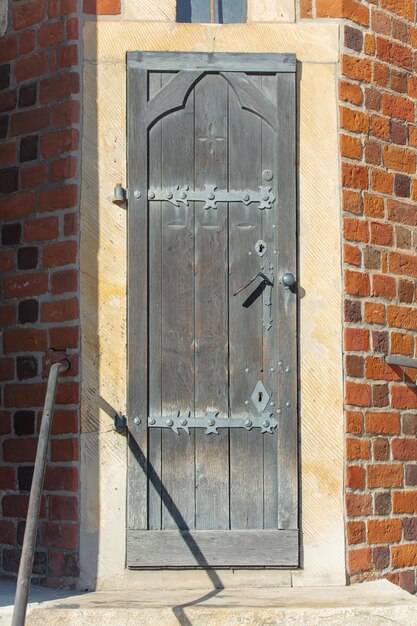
<point x="211" y="11"/>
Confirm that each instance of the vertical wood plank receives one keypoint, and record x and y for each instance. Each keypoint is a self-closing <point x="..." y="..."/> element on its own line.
<point x="245" y="325"/>
<point x="211" y="304"/>
<point x="269" y="235"/>
<point x="287" y="305"/>
<point x="137" y="301"/>
<point x="156" y="81"/>
<point x="178" y="318"/>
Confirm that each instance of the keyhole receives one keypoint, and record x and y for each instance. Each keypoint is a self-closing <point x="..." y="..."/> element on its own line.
<point x="261" y="247"/>
<point x="260" y="396"/>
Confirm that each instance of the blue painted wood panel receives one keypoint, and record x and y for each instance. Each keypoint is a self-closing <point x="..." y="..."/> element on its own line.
<point x="225" y="11"/>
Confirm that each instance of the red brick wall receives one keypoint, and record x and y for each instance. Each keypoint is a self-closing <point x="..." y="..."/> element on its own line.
<point x="378" y="148"/>
<point x="39" y="310"/>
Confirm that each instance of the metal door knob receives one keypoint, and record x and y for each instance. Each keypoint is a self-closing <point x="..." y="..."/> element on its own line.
<point x="288" y="279"/>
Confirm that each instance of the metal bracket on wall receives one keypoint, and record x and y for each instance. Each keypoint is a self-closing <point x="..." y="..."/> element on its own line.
<point x="210" y="195"/>
<point x="211" y="422"/>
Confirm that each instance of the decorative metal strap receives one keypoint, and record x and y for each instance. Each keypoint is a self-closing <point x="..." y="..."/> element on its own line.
<point x="210" y="195"/>
<point x="211" y="422"/>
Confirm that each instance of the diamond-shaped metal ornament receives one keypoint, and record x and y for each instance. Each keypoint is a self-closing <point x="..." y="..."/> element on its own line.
<point x="260" y="397"/>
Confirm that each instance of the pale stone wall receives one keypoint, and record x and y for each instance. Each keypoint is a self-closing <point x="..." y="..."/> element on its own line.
<point x="103" y="267"/>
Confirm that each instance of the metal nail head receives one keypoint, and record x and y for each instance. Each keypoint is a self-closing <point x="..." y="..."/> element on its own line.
<point x="137" y="194"/>
<point x="136" y="421"/>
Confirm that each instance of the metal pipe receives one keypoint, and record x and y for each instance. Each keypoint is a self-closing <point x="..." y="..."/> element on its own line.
<point x="212" y="11"/>
<point x="29" y="541"/>
<point x="401" y="361"/>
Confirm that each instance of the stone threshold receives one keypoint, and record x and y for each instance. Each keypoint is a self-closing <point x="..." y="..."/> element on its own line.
<point x="367" y="604"/>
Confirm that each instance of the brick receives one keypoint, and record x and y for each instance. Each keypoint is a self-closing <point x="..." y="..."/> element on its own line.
<point x="357" y="449"/>
<point x="11" y="560"/>
<point x="356" y="283"/>
<point x="26" y="367"/>
<point x="411" y="475"/>
<point x="66" y="113"/>
<point x="380" y="557"/>
<point x="381" y="181"/>
<point x="380" y="449"/>
<point x="354" y="422"/>
<point x="359" y="560"/>
<point x="41" y="229"/>
<point x="65" y="422"/>
<point x="399" y="82"/>
<point x="373" y="99"/>
<point x="383" y="423"/>
<point x="404" y="555"/>
<point x="63" y="338"/>
<point x="22" y="123"/>
<point x="65" y="281"/>
<point x="8" y="532"/>
<point x="351" y="255"/>
<point x="380" y="127"/>
<point x="353" y="120"/>
<point x="380" y="395"/>
<point x="351" y="9"/>
<point x="380" y="341"/>
<point x="404" y="264"/>
<point x="21" y="285"/>
<point x="394" y="53"/>
<point x="28" y="95"/>
<point x="407" y="581"/>
<point x="63" y="450"/>
<point x="4" y="125"/>
<point x="24" y="423"/>
<point x="400" y="7"/>
<point x="383" y="286"/>
<point x="63" y="564"/>
<point x="358" y="505"/>
<point x="27" y="42"/>
<point x="61" y="478"/>
<point x="406" y="290"/>
<point x="398" y="107"/>
<point x="402" y="186"/>
<point x="28" y="149"/>
<point x="355" y="176"/>
<point x="64" y="168"/>
<point x="8" y="48"/>
<point x="401" y="344"/>
<point x="382" y="503"/>
<point x="7" y="479"/>
<point x="67" y="393"/>
<point x="59" y="311"/>
<point x="356" y="339"/>
<point x="51" y="34"/>
<point x="7" y="100"/>
<point x="26" y="14"/>
<point x="59" y="142"/>
<point x="373" y="206"/>
<point x="399" y="159"/>
<point x="7" y="314"/>
<point x="384" y="531"/>
<point x="9" y="180"/>
<point x="24" y="340"/>
<point x="352" y="311"/>
<point x="353" y="38"/>
<point x="11" y="234"/>
<point x="352" y="201"/>
<point x="382" y="234"/>
<point x="34" y="176"/>
<point x="404" y="502"/>
<point x="377" y="369"/>
<point x="6" y="369"/>
<point x="350" y="92"/>
<point x="63" y="197"/>
<point x="351" y="147"/>
<point x="355" y="229"/>
<point x="355" y="477"/>
<point x="403" y="237"/>
<point x="102" y="7"/>
<point x="59" y="535"/>
<point x="381" y="74"/>
<point x="27" y="258"/>
<point x="404" y="449"/>
<point x="374" y="313"/>
<point x="59" y="87"/>
<point x="402" y="213"/>
<point x="355" y="532"/>
<point x="7" y="259"/>
<point x="403" y="397"/>
<point x="373" y="152"/>
<point x="24" y="395"/>
<point x="72" y="28"/>
<point x="357" y="68"/>
<point x="384" y="475"/>
<point x="60" y="253"/>
<point x="63" y="508"/>
<point x="31" y="67"/>
<point x="402" y="317"/>
<point x="20" y="450"/>
<point x="7" y="153"/>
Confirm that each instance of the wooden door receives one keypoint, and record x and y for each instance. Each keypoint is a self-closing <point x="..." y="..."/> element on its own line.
<point x="212" y="398"/>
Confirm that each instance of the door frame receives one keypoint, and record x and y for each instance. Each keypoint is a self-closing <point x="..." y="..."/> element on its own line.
<point x="137" y="534"/>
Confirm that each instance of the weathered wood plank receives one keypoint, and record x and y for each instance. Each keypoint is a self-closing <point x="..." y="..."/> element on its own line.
<point x="287" y="305"/>
<point x="211" y="304"/>
<point x="137" y="353"/>
<point x="178" y="318"/>
<point x="265" y="548"/>
<point x="156" y="81"/>
<point x="245" y="331"/>
<point x="225" y="11"/>
<point x="172" y="96"/>
<point x="212" y="61"/>
<point x="251" y="97"/>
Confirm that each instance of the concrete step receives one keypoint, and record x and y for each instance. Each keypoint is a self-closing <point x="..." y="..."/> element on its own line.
<point x="369" y="604"/>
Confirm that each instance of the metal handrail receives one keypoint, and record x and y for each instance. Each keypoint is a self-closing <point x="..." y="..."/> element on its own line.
<point x="401" y="361"/>
<point x="32" y="520"/>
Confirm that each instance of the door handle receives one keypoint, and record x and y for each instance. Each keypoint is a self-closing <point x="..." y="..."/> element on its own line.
<point x="264" y="277"/>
